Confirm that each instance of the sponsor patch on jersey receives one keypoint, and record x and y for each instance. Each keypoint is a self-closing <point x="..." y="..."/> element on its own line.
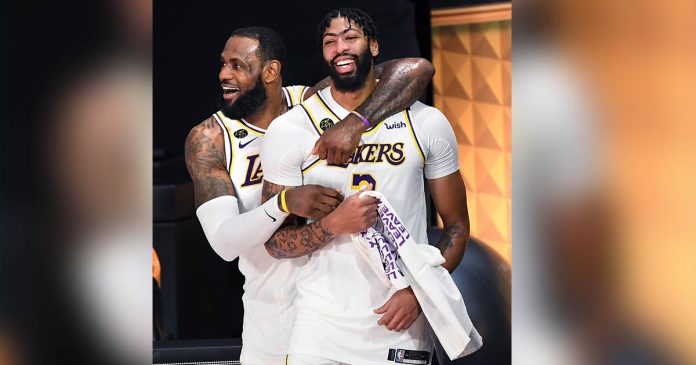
<point x="325" y="124"/>
<point x="401" y="356"/>
<point x="240" y="133"/>
<point x="395" y="125"/>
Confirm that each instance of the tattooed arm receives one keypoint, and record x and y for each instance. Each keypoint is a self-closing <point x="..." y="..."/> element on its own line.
<point x="205" y="160"/>
<point x="229" y="232"/>
<point x="352" y="215"/>
<point x="402" y="81"/>
<point x="449" y="195"/>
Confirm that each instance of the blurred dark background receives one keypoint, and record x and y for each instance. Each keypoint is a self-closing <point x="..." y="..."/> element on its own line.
<point x="190" y="36"/>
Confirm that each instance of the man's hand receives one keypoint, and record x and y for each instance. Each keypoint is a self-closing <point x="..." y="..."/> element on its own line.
<point x="400" y="311"/>
<point x="337" y="143"/>
<point x="312" y="201"/>
<point x="354" y="215"/>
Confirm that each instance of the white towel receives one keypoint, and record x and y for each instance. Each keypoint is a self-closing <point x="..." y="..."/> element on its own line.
<point x="404" y="262"/>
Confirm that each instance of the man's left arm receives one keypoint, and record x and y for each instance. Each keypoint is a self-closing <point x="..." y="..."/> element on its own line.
<point x="402" y="81"/>
<point x="449" y="195"/>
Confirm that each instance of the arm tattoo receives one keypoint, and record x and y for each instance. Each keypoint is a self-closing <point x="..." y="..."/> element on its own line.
<point x="402" y="82"/>
<point x="452" y="245"/>
<point x="293" y="241"/>
<point x="206" y="163"/>
<point x="269" y="189"/>
<point x="453" y="232"/>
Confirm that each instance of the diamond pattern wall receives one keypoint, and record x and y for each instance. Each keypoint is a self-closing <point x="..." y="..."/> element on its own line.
<point x="473" y="88"/>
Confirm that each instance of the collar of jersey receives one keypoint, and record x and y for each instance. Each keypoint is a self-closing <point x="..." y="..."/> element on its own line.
<point x="337" y="110"/>
<point x="246" y="125"/>
<point x="255" y="130"/>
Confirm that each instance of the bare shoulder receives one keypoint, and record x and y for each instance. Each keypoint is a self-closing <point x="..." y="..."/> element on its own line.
<point x="205" y="133"/>
<point x="205" y="143"/>
<point x="208" y="129"/>
<point x="205" y="160"/>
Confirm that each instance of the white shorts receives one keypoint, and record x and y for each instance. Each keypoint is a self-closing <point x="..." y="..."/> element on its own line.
<point x="264" y="341"/>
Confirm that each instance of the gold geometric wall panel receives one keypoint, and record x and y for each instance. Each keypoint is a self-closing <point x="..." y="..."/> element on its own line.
<point x="473" y="88"/>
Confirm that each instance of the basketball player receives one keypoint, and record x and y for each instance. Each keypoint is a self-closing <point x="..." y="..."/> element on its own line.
<point x="344" y="314"/>
<point x="222" y="156"/>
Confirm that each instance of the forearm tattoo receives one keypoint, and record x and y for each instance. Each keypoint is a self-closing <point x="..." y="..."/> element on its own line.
<point x="402" y="83"/>
<point x="293" y="241"/>
<point x="453" y="233"/>
<point x="269" y="190"/>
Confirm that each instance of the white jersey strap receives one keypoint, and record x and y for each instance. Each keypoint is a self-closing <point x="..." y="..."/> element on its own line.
<point x="294" y="95"/>
<point x="226" y="136"/>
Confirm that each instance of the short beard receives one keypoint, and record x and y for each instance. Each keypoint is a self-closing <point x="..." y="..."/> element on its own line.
<point x="358" y="79"/>
<point x="246" y="104"/>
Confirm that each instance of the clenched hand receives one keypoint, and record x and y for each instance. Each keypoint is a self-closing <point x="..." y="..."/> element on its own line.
<point x="337" y="143"/>
<point x="400" y="311"/>
<point x="312" y="201"/>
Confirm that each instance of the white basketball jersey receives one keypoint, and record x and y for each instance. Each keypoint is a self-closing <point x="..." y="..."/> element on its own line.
<point x="269" y="285"/>
<point x="337" y="288"/>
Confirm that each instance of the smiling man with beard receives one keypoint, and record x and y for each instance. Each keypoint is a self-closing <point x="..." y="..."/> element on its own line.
<point x="247" y="102"/>
<point x="223" y="159"/>
<point x="346" y="314"/>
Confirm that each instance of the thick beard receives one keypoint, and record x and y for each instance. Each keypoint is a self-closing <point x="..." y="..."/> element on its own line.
<point x="358" y="79"/>
<point x="247" y="103"/>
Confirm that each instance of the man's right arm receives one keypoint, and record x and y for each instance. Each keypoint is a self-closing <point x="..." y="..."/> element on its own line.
<point x="229" y="232"/>
<point x="353" y="215"/>
<point x="205" y="160"/>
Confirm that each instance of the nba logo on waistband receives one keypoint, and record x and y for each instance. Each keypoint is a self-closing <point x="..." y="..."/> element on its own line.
<point x="399" y="356"/>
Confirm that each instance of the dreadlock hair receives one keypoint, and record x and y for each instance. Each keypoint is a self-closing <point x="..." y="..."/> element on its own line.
<point x="271" y="46"/>
<point x="355" y="17"/>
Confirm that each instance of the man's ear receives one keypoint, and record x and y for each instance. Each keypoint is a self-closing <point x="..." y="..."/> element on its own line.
<point x="374" y="48"/>
<point x="271" y="71"/>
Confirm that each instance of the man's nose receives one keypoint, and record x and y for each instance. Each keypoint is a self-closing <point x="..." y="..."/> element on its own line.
<point x="224" y="74"/>
<point x="341" y="45"/>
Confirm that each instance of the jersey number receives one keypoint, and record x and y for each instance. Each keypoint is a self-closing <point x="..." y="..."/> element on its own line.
<point x="360" y="181"/>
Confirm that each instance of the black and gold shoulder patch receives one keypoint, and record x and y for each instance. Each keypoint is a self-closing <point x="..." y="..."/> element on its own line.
<point x="240" y="133"/>
<point x="325" y="124"/>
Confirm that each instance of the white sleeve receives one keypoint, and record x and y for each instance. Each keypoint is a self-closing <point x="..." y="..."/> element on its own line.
<point x="285" y="148"/>
<point x="230" y="233"/>
<point x="440" y="144"/>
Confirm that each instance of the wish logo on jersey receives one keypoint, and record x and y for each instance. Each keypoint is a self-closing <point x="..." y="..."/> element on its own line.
<point x="395" y="125"/>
